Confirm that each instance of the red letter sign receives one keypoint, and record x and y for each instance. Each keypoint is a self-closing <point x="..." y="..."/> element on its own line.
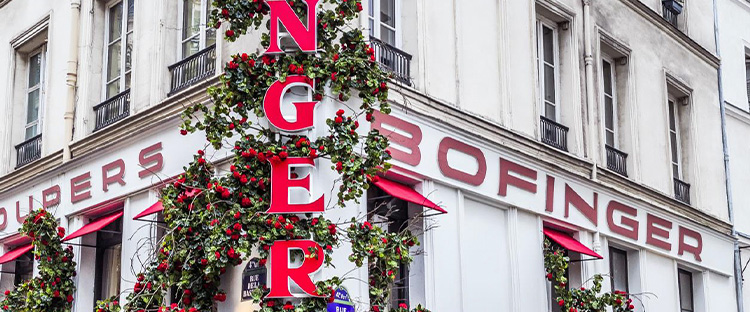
<point x="305" y="37"/>
<point x="281" y="182"/>
<point x="272" y="105"/>
<point x="280" y="271"/>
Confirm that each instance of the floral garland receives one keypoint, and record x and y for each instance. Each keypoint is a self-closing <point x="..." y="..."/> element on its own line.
<point x="53" y="289"/>
<point x="215" y="222"/>
<point x="580" y="299"/>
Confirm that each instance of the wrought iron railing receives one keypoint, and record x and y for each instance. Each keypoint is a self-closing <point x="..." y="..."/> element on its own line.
<point x="29" y="151"/>
<point x="669" y="14"/>
<point x="617" y="160"/>
<point x="554" y="134"/>
<point x="112" y="110"/>
<point x="193" y="69"/>
<point x="393" y="60"/>
<point x="682" y="191"/>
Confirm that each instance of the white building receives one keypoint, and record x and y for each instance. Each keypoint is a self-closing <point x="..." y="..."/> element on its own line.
<point x="599" y="120"/>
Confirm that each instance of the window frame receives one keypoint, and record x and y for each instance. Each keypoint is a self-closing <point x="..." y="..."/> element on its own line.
<point x="376" y="21"/>
<point x="42" y="52"/>
<point x="203" y="28"/>
<point x="18" y="278"/>
<point x="124" y="33"/>
<point x="542" y="22"/>
<point x="680" y="272"/>
<point x="624" y="253"/>
<point x="615" y="119"/>
<point x="747" y="76"/>
<point x="674" y="147"/>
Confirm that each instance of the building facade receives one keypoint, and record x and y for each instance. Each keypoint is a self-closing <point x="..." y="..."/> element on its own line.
<point x="597" y="120"/>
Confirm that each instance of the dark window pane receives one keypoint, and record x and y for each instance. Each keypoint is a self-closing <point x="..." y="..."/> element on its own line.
<point x="607" y="72"/>
<point x="610" y="138"/>
<point x="549" y="84"/>
<point x="388" y="12"/>
<point x="609" y="113"/>
<point x="672" y="117"/>
<point x="35" y="70"/>
<point x="685" y="281"/>
<point x="619" y="269"/>
<point x="549" y="112"/>
<point x="548" y="42"/>
<point x="115" y="22"/>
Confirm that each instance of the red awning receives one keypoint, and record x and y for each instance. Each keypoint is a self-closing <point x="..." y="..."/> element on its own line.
<point x="406" y="193"/>
<point x="157" y="207"/>
<point x="94" y="226"/>
<point x="569" y="243"/>
<point x="15" y="253"/>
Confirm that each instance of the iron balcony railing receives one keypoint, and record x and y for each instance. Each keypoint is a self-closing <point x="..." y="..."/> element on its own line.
<point x="554" y="134"/>
<point x="393" y="60"/>
<point x="682" y="191"/>
<point x="193" y="69"/>
<point x="29" y="151"/>
<point x="617" y="160"/>
<point x="669" y="14"/>
<point x="112" y="110"/>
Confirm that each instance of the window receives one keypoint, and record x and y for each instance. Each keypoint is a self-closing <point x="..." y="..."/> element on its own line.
<point x="674" y="138"/>
<point x="393" y="215"/>
<point x="34" y="93"/>
<point x="24" y="268"/>
<point x="118" y="59"/>
<point x="548" y="68"/>
<point x="108" y="260"/>
<point x="384" y="21"/>
<point x="196" y="35"/>
<point x="610" y="103"/>
<point x="685" y="284"/>
<point x="618" y="269"/>
<point x="747" y="77"/>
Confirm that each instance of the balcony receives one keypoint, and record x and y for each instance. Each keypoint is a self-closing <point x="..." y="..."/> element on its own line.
<point x="670" y="9"/>
<point x="193" y="69"/>
<point x="554" y="134"/>
<point x="682" y="191"/>
<point x="29" y="151"/>
<point x="393" y="60"/>
<point x="617" y="161"/>
<point x="112" y="110"/>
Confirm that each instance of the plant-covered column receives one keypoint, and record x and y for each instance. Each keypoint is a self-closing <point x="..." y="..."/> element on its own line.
<point x="53" y="289"/>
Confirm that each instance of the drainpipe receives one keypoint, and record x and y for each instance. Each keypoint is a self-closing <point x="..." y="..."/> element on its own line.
<point x="588" y="59"/>
<point x="727" y="181"/>
<point x="71" y="77"/>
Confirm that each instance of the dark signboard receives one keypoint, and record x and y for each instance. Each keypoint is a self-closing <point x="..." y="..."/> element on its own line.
<point x="254" y="276"/>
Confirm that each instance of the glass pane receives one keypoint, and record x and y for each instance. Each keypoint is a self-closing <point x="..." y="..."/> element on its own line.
<point x="31" y="131"/>
<point x="673" y="141"/>
<point x="609" y="114"/>
<point x="35" y="69"/>
<point x="190" y="47"/>
<point x="549" y="111"/>
<point x="549" y="84"/>
<point x="610" y="138"/>
<point x="675" y="171"/>
<point x="111" y="271"/>
<point x="131" y="14"/>
<point x="607" y="72"/>
<point x="388" y="35"/>
<point x="127" y="81"/>
<point x="548" y="42"/>
<point x="113" y="88"/>
<point x="686" y="290"/>
<point x="115" y="22"/>
<point x="113" y="60"/>
<point x="128" y="51"/>
<point x="388" y="12"/>
<point x="672" y="120"/>
<point x="32" y="106"/>
<point x="372" y="27"/>
<point x="619" y="270"/>
<point x="371" y="8"/>
<point x="191" y="18"/>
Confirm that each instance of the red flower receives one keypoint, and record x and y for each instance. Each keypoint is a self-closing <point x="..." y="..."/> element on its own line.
<point x="70" y="298"/>
<point x="340" y="112"/>
<point x="225" y="13"/>
<point x="339" y="120"/>
<point x="183" y="132"/>
<point x="339" y="166"/>
<point x="230" y="33"/>
<point x="403" y="306"/>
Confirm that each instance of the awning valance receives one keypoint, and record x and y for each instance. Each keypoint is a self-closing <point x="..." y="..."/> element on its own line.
<point x="406" y="193"/>
<point x="15" y="253"/>
<point x="94" y="226"/>
<point x="568" y="242"/>
<point x="157" y="207"/>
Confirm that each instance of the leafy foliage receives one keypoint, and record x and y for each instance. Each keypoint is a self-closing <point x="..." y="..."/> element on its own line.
<point x="52" y="290"/>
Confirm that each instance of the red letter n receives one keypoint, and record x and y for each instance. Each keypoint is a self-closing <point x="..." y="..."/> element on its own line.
<point x="305" y="37"/>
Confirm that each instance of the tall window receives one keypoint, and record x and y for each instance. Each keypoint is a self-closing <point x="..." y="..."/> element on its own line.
<point x="610" y="103"/>
<point x="392" y="214"/>
<point x="747" y="76"/>
<point x="685" y="283"/>
<point x="548" y="67"/>
<point x="108" y="259"/>
<point x="24" y="268"/>
<point x="674" y="138"/>
<point x="34" y="93"/>
<point x="119" y="39"/>
<point x="384" y="20"/>
<point x="196" y="35"/>
<point x="618" y="269"/>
